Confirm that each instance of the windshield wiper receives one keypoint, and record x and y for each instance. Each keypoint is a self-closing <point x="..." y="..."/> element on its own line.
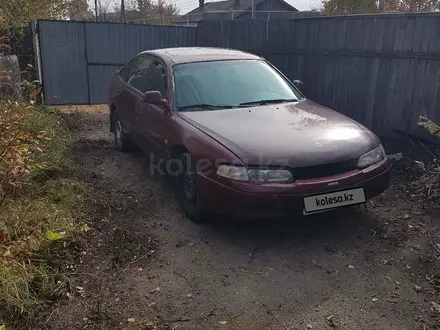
<point x="264" y="102"/>
<point x="204" y="107"/>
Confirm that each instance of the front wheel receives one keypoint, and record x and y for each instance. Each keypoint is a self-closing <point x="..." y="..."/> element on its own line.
<point x="187" y="191"/>
<point x="122" y="140"/>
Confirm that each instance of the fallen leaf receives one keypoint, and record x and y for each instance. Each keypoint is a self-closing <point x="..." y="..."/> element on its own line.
<point x="131" y="319"/>
<point x="51" y="236"/>
<point x="435" y="307"/>
<point x="85" y="228"/>
<point x="147" y="325"/>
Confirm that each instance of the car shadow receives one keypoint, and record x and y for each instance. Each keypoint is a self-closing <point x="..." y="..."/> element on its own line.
<point x="336" y="226"/>
<point x="341" y="227"/>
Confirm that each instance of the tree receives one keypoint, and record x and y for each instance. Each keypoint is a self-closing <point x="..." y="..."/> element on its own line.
<point x="78" y="10"/>
<point x="346" y="7"/>
<point x="104" y="11"/>
<point x="144" y="6"/>
<point x="143" y="11"/>
<point x="162" y="13"/>
<point x="412" y="5"/>
<point x="18" y="13"/>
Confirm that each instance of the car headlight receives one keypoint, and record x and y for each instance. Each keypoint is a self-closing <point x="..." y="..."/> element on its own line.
<point x="242" y="173"/>
<point x="371" y="157"/>
<point x="233" y="172"/>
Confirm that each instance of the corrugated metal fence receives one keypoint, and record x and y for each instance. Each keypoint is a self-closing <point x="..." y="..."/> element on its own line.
<point x="382" y="70"/>
<point x="77" y="58"/>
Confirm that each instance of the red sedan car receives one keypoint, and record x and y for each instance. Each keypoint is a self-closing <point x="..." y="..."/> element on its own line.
<point x="240" y="137"/>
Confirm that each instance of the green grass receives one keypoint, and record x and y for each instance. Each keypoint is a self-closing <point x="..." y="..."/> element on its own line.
<point x="48" y="199"/>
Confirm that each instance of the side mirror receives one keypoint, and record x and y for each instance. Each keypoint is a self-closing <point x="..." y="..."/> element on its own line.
<point x="153" y="97"/>
<point x="298" y="84"/>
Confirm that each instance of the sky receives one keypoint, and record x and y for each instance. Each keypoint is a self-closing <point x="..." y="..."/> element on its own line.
<point x="187" y="5"/>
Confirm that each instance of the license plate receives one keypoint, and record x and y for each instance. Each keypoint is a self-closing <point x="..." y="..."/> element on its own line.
<point x="332" y="200"/>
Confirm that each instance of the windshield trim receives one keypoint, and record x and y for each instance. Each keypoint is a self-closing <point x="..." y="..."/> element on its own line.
<point x="296" y="91"/>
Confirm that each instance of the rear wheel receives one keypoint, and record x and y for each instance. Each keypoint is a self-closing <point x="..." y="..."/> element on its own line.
<point x="187" y="191"/>
<point x="122" y="140"/>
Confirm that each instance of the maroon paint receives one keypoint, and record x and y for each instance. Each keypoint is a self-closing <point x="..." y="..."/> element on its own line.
<point x="300" y="134"/>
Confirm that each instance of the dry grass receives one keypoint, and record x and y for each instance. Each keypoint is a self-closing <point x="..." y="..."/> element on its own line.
<point x="42" y="206"/>
<point x="428" y="182"/>
<point x="98" y="108"/>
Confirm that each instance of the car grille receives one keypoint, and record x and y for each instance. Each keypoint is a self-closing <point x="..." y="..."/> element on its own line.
<point x="319" y="171"/>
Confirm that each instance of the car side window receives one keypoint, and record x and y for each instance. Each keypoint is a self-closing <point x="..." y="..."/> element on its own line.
<point x="136" y="76"/>
<point x="158" y="78"/>
<point x="125" y="71"/>
<point x="148" y="74"/>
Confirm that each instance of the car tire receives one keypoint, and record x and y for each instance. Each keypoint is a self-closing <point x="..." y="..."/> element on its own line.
<point x="187" y="191"/>
<point x="122" y="140"/>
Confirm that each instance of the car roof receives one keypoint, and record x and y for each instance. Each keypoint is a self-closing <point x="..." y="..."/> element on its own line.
<point x="199" y="54"/>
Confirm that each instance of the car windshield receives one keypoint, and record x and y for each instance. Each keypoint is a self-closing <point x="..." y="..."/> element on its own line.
<point x="234" y="83"/>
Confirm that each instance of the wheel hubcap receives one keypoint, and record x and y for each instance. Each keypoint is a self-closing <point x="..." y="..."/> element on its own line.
<point x="118" y="132"/>
<point x="189" y="186"/>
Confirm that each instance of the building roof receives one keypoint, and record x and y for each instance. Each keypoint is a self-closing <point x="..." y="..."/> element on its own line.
<point x="236" y="8"/>
<point x="200" y="54"/>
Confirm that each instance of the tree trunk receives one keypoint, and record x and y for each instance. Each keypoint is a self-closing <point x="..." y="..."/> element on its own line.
<point x="381" y="5"/>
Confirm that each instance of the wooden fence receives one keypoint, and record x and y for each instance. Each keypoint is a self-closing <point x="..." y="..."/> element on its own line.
<point x="382" y="70"/>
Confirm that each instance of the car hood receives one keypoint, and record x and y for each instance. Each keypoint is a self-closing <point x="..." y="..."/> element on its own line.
<point x="292" y="134"/>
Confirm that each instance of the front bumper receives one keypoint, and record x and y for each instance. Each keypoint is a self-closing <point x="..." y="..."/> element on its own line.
<point x="245" y="200"/>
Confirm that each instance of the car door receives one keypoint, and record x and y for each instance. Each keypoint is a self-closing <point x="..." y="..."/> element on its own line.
<point x="127" y="94"/>
<point x="137" y="83"/>
<point x="152" y="120"/>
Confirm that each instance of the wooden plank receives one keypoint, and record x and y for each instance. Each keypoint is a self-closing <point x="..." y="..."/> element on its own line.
<point x="360" y="82"/>
<point x="422" y="34"/>
<point x="394" y="118"/>
<point x="434" y="45"/>
<point x="381" y="95"/>
<point x="370" y="93"/>
<point x="404" y="38"/>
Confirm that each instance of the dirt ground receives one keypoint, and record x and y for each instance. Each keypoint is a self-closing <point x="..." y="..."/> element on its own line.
<point x="144" y="266"/>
